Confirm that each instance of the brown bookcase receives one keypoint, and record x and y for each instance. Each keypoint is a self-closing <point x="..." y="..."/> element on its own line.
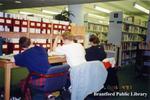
<point x="77" y="31"/>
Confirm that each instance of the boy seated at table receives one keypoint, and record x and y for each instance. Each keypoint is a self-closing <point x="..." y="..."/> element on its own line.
<point x="35" y="59"/>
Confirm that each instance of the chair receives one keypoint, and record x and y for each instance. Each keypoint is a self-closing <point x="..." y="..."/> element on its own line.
<point x="56" y="79"/>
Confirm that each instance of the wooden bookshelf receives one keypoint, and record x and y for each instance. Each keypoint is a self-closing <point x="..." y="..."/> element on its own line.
<point x="37" y="38"/>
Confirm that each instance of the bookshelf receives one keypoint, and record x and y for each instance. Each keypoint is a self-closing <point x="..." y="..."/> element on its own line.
<point x="44" y="40"/>
<point x="126" y="33"/>
<point x="143" y="59"/>
<point x="100" y="30"/>
<point x="132" y="35"/>
<point x="146" y="54"/>
<point x="41" y="32"/>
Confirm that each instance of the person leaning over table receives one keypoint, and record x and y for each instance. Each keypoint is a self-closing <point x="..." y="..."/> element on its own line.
<point x="74" y="52"/>
<point x="96" y="52"/>
<point x="35" y="59"/>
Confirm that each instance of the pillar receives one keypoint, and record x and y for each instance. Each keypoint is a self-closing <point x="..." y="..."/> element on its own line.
<point x="77" y="11"/>
<point x="78" y="19"/>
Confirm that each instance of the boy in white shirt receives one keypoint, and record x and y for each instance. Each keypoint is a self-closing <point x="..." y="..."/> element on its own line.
<point x="74" y="52"/>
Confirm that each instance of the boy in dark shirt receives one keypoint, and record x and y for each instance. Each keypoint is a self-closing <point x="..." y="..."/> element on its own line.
<point x="34" y="58"/>
<point x="96" y="51"/>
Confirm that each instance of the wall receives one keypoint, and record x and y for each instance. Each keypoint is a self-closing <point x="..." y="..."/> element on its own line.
<point x="17" y="74"/>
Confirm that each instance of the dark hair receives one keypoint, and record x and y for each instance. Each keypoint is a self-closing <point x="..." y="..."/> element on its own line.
<point x="75" y="40"/>
<point x="94" y="39"/>
<point x="67" y="36"/>
<point x="24" y="42"/>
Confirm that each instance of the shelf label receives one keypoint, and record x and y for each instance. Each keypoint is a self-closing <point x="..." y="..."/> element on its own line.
<point x="4" y="46"/>
<point x="39" y="24"/>
<point x="49" y="26"/>
<point x="8" y="21"/>
<point x="32" y="24"/>
<point x="44" y="46"/>
<point x="24" y="23"/>
<point x="17" y="22"/>
<point x="55" y="26"/>
<point x="64" y="27"/>
<point x="48" y="45"/>
<point x="16" y="46"/>
<point x="60" y="26"/>
<point x="43" y="25"/>
<point x="2" y="20"/>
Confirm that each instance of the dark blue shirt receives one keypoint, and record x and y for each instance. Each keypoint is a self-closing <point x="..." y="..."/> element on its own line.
<point x="35" y="59"/>
<point x="95" y="53"/>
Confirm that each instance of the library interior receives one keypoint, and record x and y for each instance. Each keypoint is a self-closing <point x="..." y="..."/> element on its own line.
<point x="74" y="49"/>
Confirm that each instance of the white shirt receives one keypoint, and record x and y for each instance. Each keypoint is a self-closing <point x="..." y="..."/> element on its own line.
<point x="74" y="52"/>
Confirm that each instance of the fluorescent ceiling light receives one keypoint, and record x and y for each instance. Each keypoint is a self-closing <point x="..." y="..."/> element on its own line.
<point x="101" y="21"/>
<point x="93" y="15"/>
<point x="137" y="6"/>
<point x="101" y="9"/>
<point x="39" y="15"/>
<point x="46" y="16"/>
<point x="66" y="8"/>
<point x="1" y="4"/>
<point x="50" y="12"/>
<point x="25" y="13"/>
<point x="17" y="1"/>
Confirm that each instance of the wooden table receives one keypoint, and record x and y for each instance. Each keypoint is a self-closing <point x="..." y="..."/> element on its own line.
<point x="7" y="65"/>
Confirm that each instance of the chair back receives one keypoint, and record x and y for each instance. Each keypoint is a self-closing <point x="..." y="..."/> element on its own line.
<point x="58" y="79"/>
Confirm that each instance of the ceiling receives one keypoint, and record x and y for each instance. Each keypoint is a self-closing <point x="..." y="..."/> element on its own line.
<point x="35" y="6"/>
<point x="11" y="4"/>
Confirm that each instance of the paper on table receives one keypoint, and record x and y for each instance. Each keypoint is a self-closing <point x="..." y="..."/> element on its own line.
<point x="55" y="53"/>
<point x="8" y="57"/>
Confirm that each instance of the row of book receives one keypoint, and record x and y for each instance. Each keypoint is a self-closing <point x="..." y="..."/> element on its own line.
<point x="109" y="47"/>
<point x="96" y="27"/>
<point x="135" y="21"/>
<point x="128" y="46"/>
<point x="132" y="38"/>
<point x="128" y="62"/>
<point x="134" y="29"/>
<point x="144" y="46"/>
<point x="128" y="55"/>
